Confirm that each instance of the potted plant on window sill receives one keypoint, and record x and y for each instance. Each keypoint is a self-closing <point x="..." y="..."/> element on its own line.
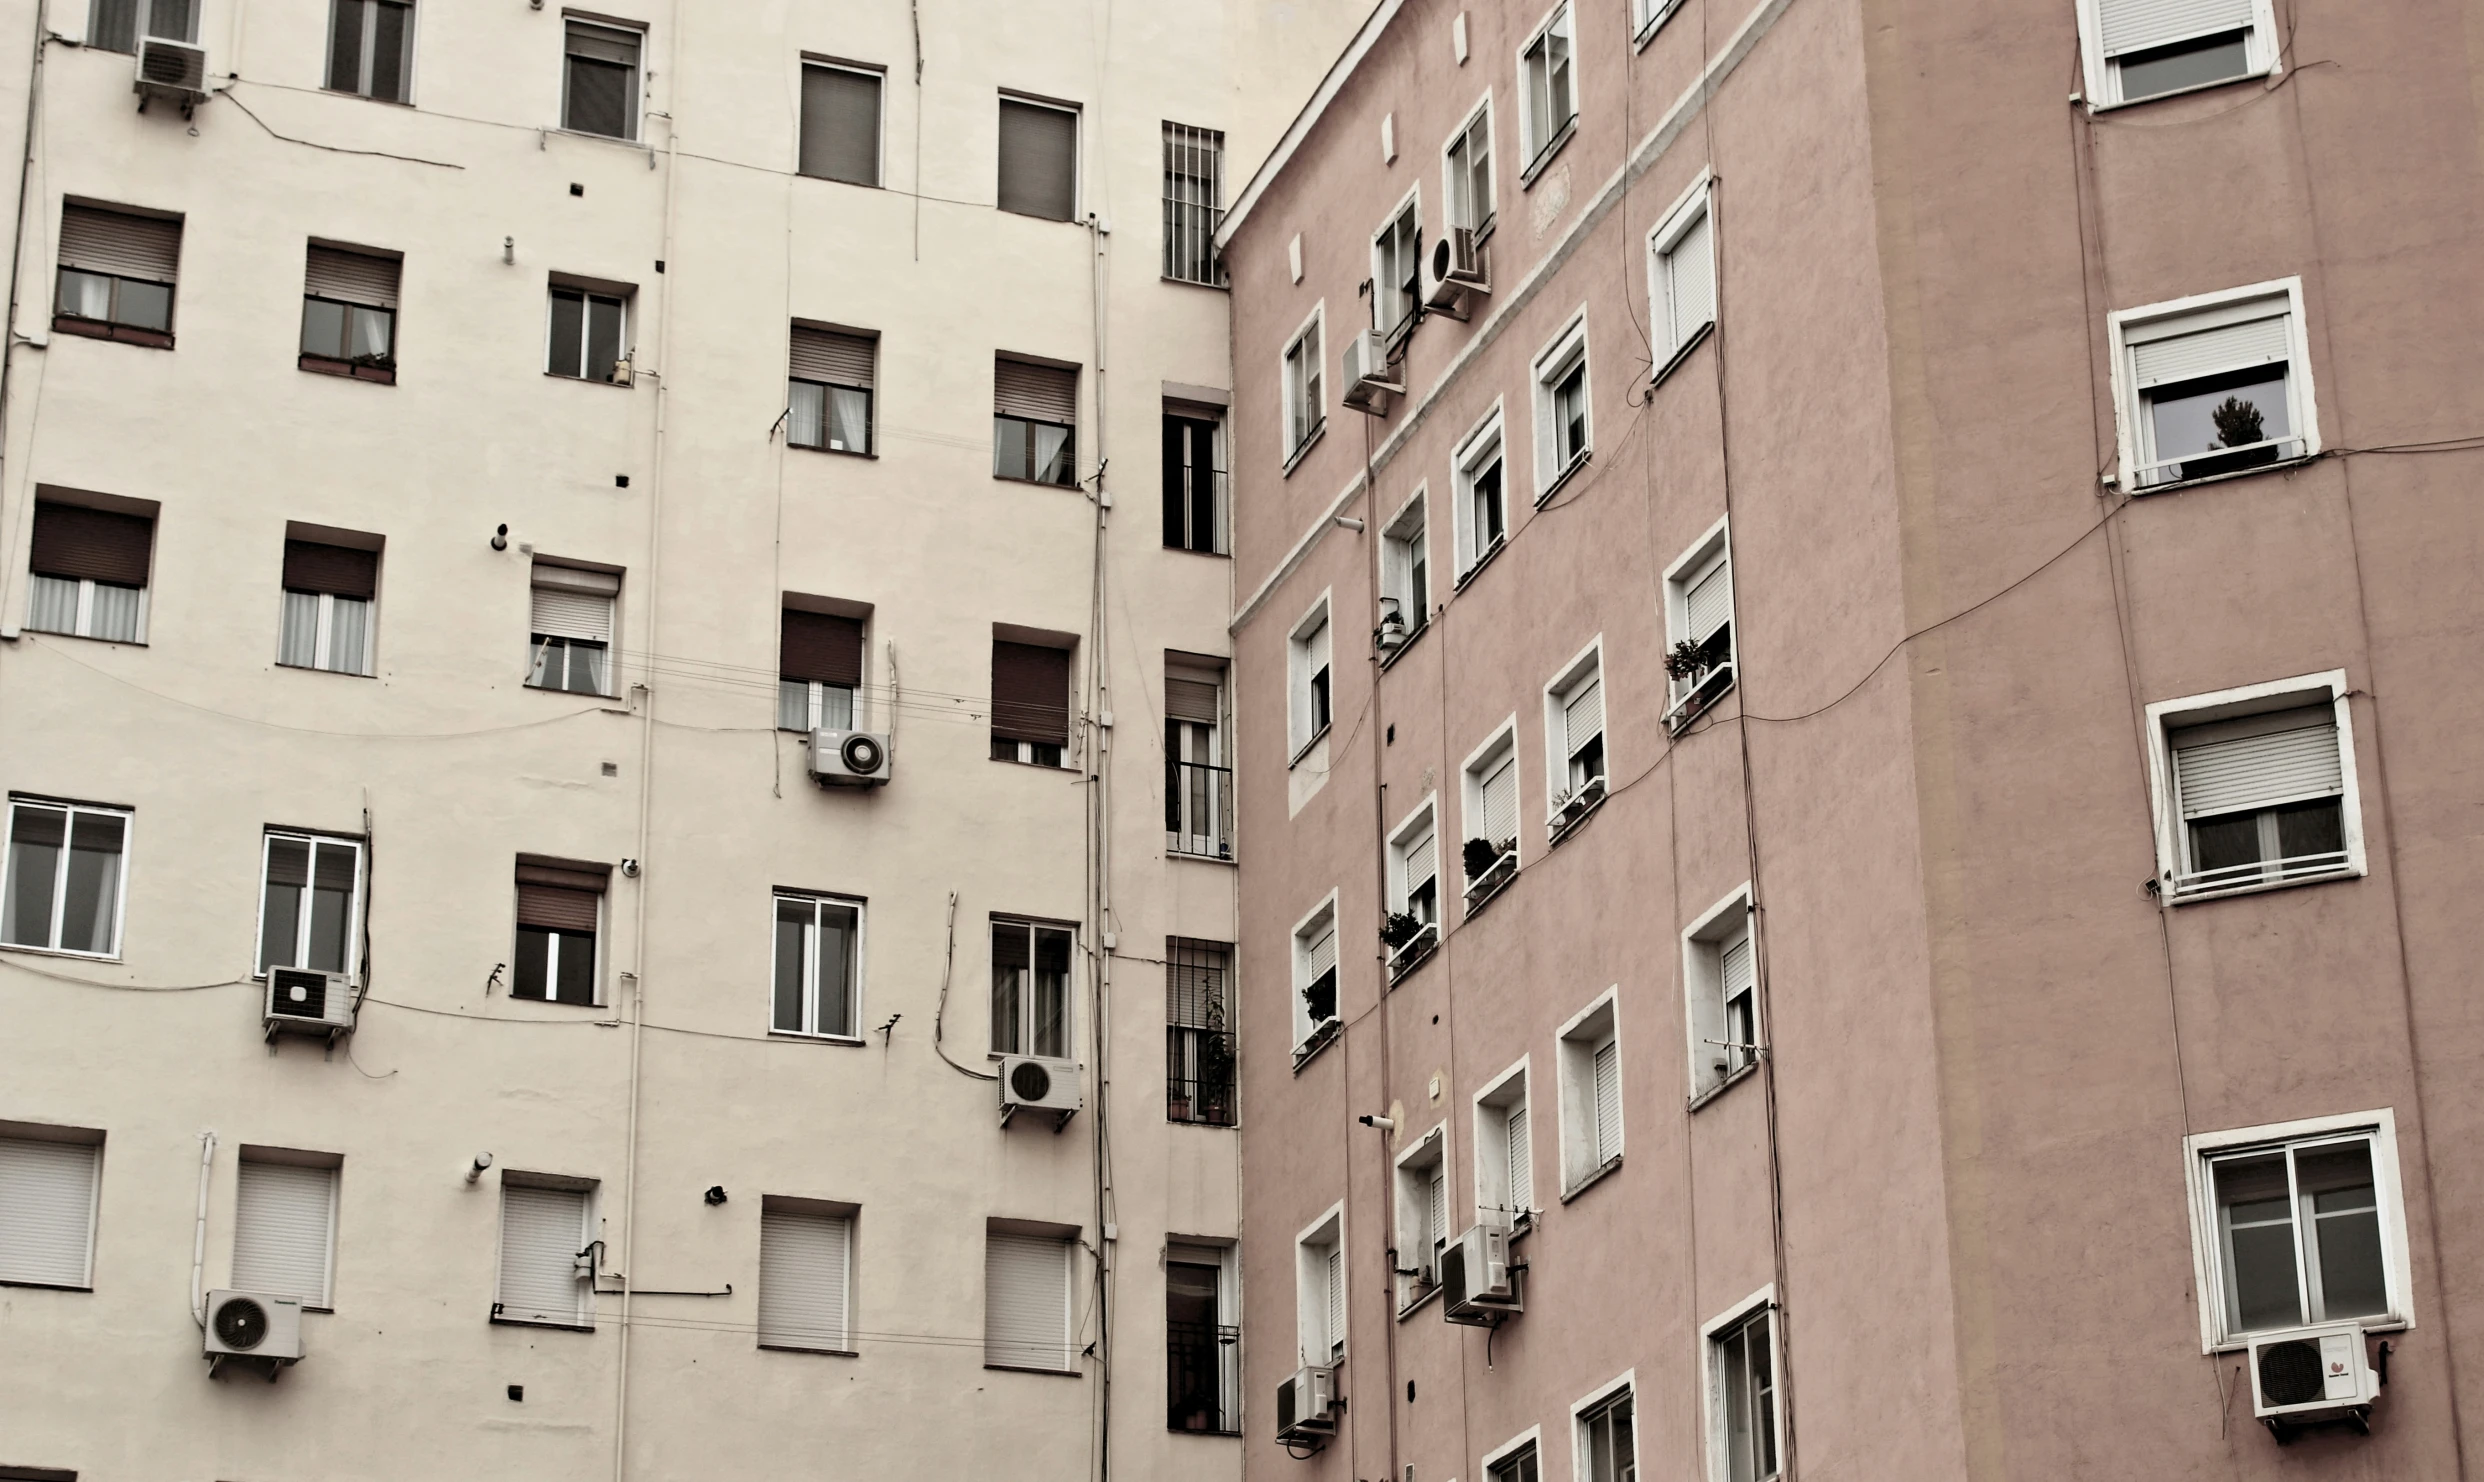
<point x="1704" y="669"/>
<point x="1409" y="939"/>
<point x="1571" y="806"/>
<point x="1489" y="867"/>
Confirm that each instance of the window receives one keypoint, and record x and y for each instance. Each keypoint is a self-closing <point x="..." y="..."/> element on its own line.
<point x="1482" y="507"/>
<point x="1519" y="1465"/>
<point x="1681" y="294"/>
<point x="1647" y="15"/>
<point x="1699" y="627"/>
<point x="328" y="590"/>
<point x="1490" y="852"/>
<point x="1030" y="703"/>
<point x="1743" y="1423"/>
<point x="819" y="665"/>
<point x="1574" y="736"/>
<point x="572" y="642"/>
<point x="90" y="570"/>
<point x="284" y="1225"/>
<point x="1194" y="196"/>
<point x="1720" y="975"/>
<point x="2298" y="1223"/>
<point x="116" y="25"/>
<point x="1591" y="1099"/>
<point x="547" y="1263"/>
<point x="1305" y="414"/>
<point x="2255" y="787"/>
<point x="1422" y="1216"/>
<point x="49" y="1178"/>
<point x="828" y="389"/>
<point x="1198" y="785"/>
<point x="559" y="903"/>
<point x="1315" y="979"/>
<point x="589" y="335"/>
<point x="1308" y="680"/>
<point x="370" y="49"/>
<point x="2147" y="48"/>
<point x="1397" y="270"/>
<point x="68" y="868"/>
<point x="1608" y="1443"/>
<point x="1198" y="1032"/>
<point x="1469" y="173"/>
<point x="1561" y="431"/>
<point x="1504" y="1152"/>
<point x="1194" y="479"/>
<point x="1038" y="159"/>
<point x="310" y="902"/>
<point x="1026" y="1301"/>
<point x="1406" y="568"/>
<point x="1544" y="69"/>
<point x="1320" y="1290"/>
<point x="818" y="966"/>
<point x="1031" y="988"/>
<point x="2213" y="385"/>
<point x="1202" y="1350"/>
<point x="599" y="80"/>
<point x="1034" y="421"/>
<point x="117" y="270"/>
<point x="1414" y="888"/>
<point x="841" y="123"/>
<point x="806" y="1263"/>
<point x="349" y="310"/>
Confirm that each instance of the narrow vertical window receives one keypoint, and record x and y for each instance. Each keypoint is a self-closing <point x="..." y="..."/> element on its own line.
<point x="1561" y="410"/>
<point x="1742" y="1369"/>
<point x="818" y="670"/>
<point x="1483" y="507"/>
<point x="67" y="869"/>
<point x="1574" y="724"/>
<point x="1202" y="1343"/>
<point x="370" y="49"/>
<point x="1682" y="297"/>
<point x="1315" y="981"/>
<point x="1551" y="98"/>
<point x="1699" y="624"/>
<point x="1490" y="854"/>
<point x="1720" y="973"/>
<point x="1320" y="1291"/>
<point x="1406" y="571"/>
<point x="1194" y="183"/>
<point x="1591" y="1095"/>
<point x="1397" y="271"/>
<point x="599" y="80"/>
<point x="1198" y="1032"/>
<point x="1504" y="1153"/>
<point x="1198" y="797"/>
<point x="1304" y="412"/>
<point x="841" y="123"/>
<point x="818" y="967"/>
<point x="1470" y="174"/>
<point x="560" y="905"/>
<point x="1194" y="479"/>
<point x="1608" y="1440"/>
<point x="1030" y="703"/>
<point x="1311" y="702"/>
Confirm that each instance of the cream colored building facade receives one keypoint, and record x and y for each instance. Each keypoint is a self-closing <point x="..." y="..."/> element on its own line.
<point x="520" y="391"/>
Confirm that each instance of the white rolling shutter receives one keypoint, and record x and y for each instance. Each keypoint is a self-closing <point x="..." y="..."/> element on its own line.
<point x="1336" y="1296"/>
<point x="541" y="1233"/>
<point x="1709" y="604"/>
<point x="115" y="242"/>
<point x="1521" y="1162"/>
<point x="1583" y="713"/>
<point x="2134" y="25"/>
<point x="352" y="277"/>
<point x="1607" y="1092"/>
<point x="2290" y="757"/>
<point x="283" y="1222"/>
<point x="1323" y="952"/>
<point x="1026" y="1302"/>
<point x="1422" y="859"/>
<point x="1500" y="802"/>
<point x="2208" y="352"/>
<point x="572" y="615"/>
<point x="833" y="357"/>
<point x="1042" y="393"/>
<point x="47" y="1212"/>
<point x="804" y="1260"/>
<point x="1690" y="278"/>
<point x="1735" y="966"/>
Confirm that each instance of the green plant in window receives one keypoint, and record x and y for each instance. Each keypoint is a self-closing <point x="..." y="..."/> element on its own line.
<point x="2238" y="423"/>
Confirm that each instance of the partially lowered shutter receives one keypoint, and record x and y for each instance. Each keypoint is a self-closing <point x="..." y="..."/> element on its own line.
<point x="1336" y="1300"/>
<point x="1191" y="700"/>
<point x="1038" y="160"/>
<point x="282" y="1217"/>
<point x="2135" y="25"/>
<point x="1044" y="393"/>
<point x="1422" y="859"/>
<point x="1500" y="803"/>
<point x="559" y="897"/>
<point x="1521" y="1161"/>
<point x="2208" y="352"/>
<point x="352" y="277"/>
<point x="542" y="1233"/>
<point x="1030" y="693"/>
<point x="1583" y="713"/>
<point x="1026" y="1302"/>
<point x="1692" y="277"/>
<point x="80" y="544"/>
<point x="803" y="1261"/>
<point x="841" y="124"/>
<point x="332" y="570"/>
<point x="833" y="356"/>
<point x="1709" y="604"/>
<point x="2287" y="757"/>
<point x="1608" y="1100"/>
<point x="820" y="647"/>
<point x="103" y="241"/>
<point x="47" y="1212"/>
<point x="1735" y="966"/>
<point x="1322" y="955"/>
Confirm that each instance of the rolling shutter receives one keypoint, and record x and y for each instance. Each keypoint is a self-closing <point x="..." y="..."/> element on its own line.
<point x="833" y="357"/>
<point x="1322" y="955"/>
<point x="335" y="570"/>
<point x="1192" y="700"/>
<point x="47" y="1212"/>
<point x="1336" y="1296"/>
<point x="559" y="897"/>
<point x="282" y="1217"/>
<point x="2259" y="763"/>
<point x="1500" y="803"/>
<point x="2208" y="352"/>
<point x="1521" y="1161"/>
<point x="1194" y="986"/>
<point x="1690" y="273"/>
<point x="542" y="1232"/>
<point x="841" y="125"/>
<point x="1030" y="693"/>
<point x="102" y="241"/>
<point x="76" y="543"/>
<point x="572" y="615"/>
<point x="1038" y="160"/>
<point x="1422" y="858"/>
<point x="1734" y="967"/>
<point x="1042" y="393"/>
<point x="1026" y="1302"/>
<point x="353" y="277"/>
<point x="1608" y="1100"/>
<point x="1709" y="604"/>
<point x="1435" y="1210"/>
<point x="803" y="1264"/>
<point x="1583" y="712"/>
<point x="2134" y="25"/>
<point x="820" y="647"/>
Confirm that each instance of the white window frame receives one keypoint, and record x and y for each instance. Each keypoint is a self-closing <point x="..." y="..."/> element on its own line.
<point x="1532" y="1436"/>
<point x="1712" y="1376"/>
<point x="1414" y="1171"/>
<point x="1305" y="385"/>
<point x="1713" y="548"/>
<point x="83" y="624"/>
<point x="370" y="47"/>
<point x="1587" y="663"/>
<point x="1575" y="1047"/>
<point x="2172" y="847"/>
<point x="1401" y="550"/>
<point x="2136" y="433"/>
<point x="1422" y="817"/>
<point x="353" y="906"/>
<point x="637" y="94"/>
<point x="1067" y="1238"/>
<point x="810" y="939"/>
<point x="323" y="633"/>
<point x="2207" y="1250"/>
<point x="2104" y="74"/>
<point x="331" y="1165"/>
<point x="1310" y="649"/>
<point x="1495" y="1201"/>
<point x="1454" y="188"/>
<point x="1487" y="441"/>
<point x="1697" y="202"/>
<point x="1647" y="17"/>
<point x="91" y="1142"/>
<point x="1384" y="243"/>
<point x="1567" y="351"/>
<point x="1475" y="771"/>
<point x="60" y="877"/>
<point x="1624" y="1384"/>
<point x="1312" y="1305"/>
<point x="1536" y="152"/>
<point x="1703" y="992"/>
<point x="1306" y="936"/>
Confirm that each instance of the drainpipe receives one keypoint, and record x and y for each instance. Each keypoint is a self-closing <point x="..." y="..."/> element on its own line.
<point x="9" y="608"/>
<point x="198" y="1238"/>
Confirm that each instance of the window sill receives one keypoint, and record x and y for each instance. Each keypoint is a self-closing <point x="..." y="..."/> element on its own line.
<point x="1723" y="1086"/>
<point x="325" y="365"/>
<point x="838" y="180"/>
<point x="1404" y="960"/>
<point x="1011" y="761"/>
<point x="1034" y="216"/>
<point x="86" y="637"/>
<point x="834" y="1041"/>
<point x="814" y="1352"/>
<point x="1681" y="353"/>
<point x="2283" y="465"/>
<point x="315" y="669"/>
<point x="1544" y="156"/>
<point x="1603" y="1171"/>
<point x="1194" y="283"/>
<point x="1321" y="1038"/>
<point x="838" y="452"/>
<point x="499" y="1321"/>
<point x="1655" y="23"/>
<point x="545" y="689"/>
<point x="1419" y="1303"/>
<point x="1011" y="478"/>
<point x="44" y="1286"/>
<point x="2262" y="887"/>
<point x="1566" y="823"/>
<point x="2181" y="92"/>
<point x="1310" y="440"/>
<point x="1388" y="661"/>
<point x="552" y="1003"/>
<point x="553" y="375"/>
<point x="346" y="92"/>
<point x="1184" y="550"/>
<point x="2388" y="1322"/>
<point x="127" y="334"/>
<point x="1202" y="856"/>
<point x="1562" y="479"/>
<point x="56" y="952"/>
<point x="564" y="131"/>
<point x="1491" y="883"/>
<point x="1305" y="748"/>
<point x="1481" y="562"/>
<point x="1700" y="698"/>
<point x="1048" y="1373"/>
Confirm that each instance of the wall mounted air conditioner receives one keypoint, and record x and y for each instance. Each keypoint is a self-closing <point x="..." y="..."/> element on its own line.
<point x="253" y="1329"/>
<point x="1367" y="384"/>
<point x="1030" y="1083"/>
<point x="1477" y="1286"/>
<point x="1306" y="1407"/>
<point x="1453" y="269"/>
<point x="849" y="758"/>
<point x="2306" y="1375"/>
<point x="171" y="69"/>
<point x="303" y="1000"/>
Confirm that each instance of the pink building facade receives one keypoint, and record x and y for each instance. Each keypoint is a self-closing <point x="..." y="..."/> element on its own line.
<point x="1856" y="741"/>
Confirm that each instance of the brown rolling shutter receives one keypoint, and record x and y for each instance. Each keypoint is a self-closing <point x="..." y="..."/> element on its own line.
<point x="820" y="647"/>
<point x="115" y="242"/>
<point x="1030" y="693"/>
<point x="352" y="277"/>
<point x="1046" y="393"/>
<point x="1190" y="699"/>
<point x="1038" y="160"/>
<point x="832" y="356"/>
<point x="77" y="543"/>
<point x="841" y="124"/>
<point x="559" y="894"/>
<point x="337" y="571"/>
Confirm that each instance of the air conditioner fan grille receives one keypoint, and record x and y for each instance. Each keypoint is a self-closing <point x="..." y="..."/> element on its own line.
<point x="241" y="1324"/>
<point x="2291" y="1373"/>
<point x="1029" y="1081"/>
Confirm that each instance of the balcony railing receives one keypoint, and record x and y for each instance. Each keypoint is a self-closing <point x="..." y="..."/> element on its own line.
<point x="2260" y="872"/>
<point x="1198" y="1076"/>
<point x="1201" y="1378"/>
<point x="1198" y="809"/>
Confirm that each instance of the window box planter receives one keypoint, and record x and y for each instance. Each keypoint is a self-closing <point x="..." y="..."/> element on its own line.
<point x="1493" y="878"/>
<point x="1575" y="809"/>
<point x="1708" y="687"/>
<point x="1407" y="955"/>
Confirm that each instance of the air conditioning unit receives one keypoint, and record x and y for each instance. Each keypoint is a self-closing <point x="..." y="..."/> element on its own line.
<point x="1030" y="1083"/>
<point x="849" y="758"/>
<point x="1367" y="383"/>
<point x="252" y="1328"/>
<point x="2303" y="1375"/>
<point x="1306" y="1407"/>
<point x="303" y="1000"/>
<point x="171" y="69"/>
<point x="1477" y="1286"/>
<point x="1453" y="269"/>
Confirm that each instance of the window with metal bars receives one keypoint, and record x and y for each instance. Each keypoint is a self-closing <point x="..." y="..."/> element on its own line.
<point x="1194" y="481"/>
<point x="1198" y="1032"/>
<point x="1202" y="1348"/>
<point x="1194" y="186"/>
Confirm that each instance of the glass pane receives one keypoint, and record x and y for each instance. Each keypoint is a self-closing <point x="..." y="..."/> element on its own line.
<point x="93" y="894"/>
<point x="280" y="914"/>
<point x="297" y="638"/>
<point x="577" y="967"/>
<point x="52" y="606"/>
<point x="1051" y="1009"/>
<point x="1732" y="1357"/>
<point x="35" y="837"/>
<point x="2311" y="828"/>
<point x="603" y="336"/>
<point x="2227" y="412"/>
<point x="348" y="629"/>
<point x="586" y="668"/>
<point x="373" y="334"/>
<point x="849" y="420"/>
<point x="793" y="920"/>
<point x="332" y="900"/>
<point x="113" y="25"/>
<point x="806" y="415"/>
<point x="793" y="705"/>
<point x="85" y="295"/>
<point x="323" y="327"/>
<point x="143" y="305"/>
<point x="599" y="98"/>
<point x="388" y="51"/>
<point x="532" y="976"/>
<point x="836" y="707"/>
<point x="1763" y="1396"/>
<point x="174" y="20"/>
<point x="1008" y="448"/>
<point x="2256" y="1210"/>
<point x="2337" y="1182"/>
<point x="112" y="612"/>
<point x="836" y="969"/>
<point x="568" y="332"/>
<point x="1052" y="454"/>
<point x="1009" y="970"/>
<point x="345" y="48"/>
<point x="2223" y="843"/>
<point x="2190" y="63"/>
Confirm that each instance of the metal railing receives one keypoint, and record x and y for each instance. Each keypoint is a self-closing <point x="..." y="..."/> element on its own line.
<point x="1198" y="809"/>
<point x="1202" y="1363"/>
<point x="2259" y="872"/>
<point x="1199" y="1080"/>
<point x="1194" y="182"/>
<point x="2214" y="461"/>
